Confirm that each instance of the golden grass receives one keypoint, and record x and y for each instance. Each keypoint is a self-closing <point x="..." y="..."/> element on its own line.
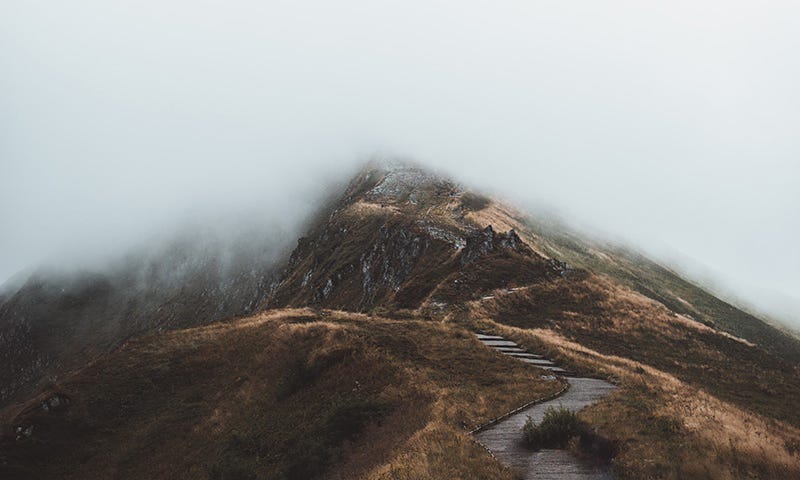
<point x="439" y="451"/>
<point x="615" y="320"/>
<point x="667" y="428"/>
<point x="261" y="397"/>
<point x="362" y="208"/>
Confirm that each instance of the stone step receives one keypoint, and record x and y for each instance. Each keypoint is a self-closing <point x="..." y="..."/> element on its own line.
<point x="483" y="336"/>
<point x="537" y="361"/>
<point x="557" y="370"/>
<point x="510" y="349"/>
<point x="522" y="355"/>
<point x="499" y="343"/>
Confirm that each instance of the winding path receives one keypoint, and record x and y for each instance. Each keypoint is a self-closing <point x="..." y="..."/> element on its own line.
<point x="504" y="437"/>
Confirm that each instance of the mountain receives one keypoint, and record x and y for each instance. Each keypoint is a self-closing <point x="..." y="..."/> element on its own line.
<point x="353" y="356"/>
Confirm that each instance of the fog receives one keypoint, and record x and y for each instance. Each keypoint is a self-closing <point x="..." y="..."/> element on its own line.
<point x="673" y="127"/>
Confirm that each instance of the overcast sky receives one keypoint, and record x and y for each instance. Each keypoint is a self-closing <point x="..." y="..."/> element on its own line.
<point x="673" y="125"/>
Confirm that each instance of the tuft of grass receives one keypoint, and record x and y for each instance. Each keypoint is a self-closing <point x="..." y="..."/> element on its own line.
<point x="561" y="428"/>
<point x="555" y="430"/>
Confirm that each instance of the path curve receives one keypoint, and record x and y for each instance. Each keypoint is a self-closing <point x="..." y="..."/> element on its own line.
<point x="504" y="438"/>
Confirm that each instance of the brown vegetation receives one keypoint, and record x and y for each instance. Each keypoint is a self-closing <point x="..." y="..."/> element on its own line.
<point x="667" y="428"/>
<point x="614" y="320"/>
<point x="286" y="394"/>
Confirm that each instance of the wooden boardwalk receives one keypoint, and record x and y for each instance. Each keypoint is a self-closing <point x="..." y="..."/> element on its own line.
<point x="504" y="438"/>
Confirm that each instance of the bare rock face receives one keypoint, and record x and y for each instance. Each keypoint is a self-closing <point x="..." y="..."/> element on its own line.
<point x="367" y="248"/>
<point x="359" y="265"/>
<point x="389" y="261"/>
<point x="478" y="244"/>
<point x="482" y="242"/>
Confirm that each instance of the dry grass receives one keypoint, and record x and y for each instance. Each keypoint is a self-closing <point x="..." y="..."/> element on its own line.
<point x="666" y="428"/>
<point x="286" y="394"/>
<point x="439" y="451"/>
<point x="617" y="321"/>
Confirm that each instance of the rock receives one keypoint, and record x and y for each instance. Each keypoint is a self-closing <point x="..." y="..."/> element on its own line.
<point x="511" y="240"/>
<point x="481" y="242"/>
<point x="23" y="431"/>
<point x="54" y="403"/>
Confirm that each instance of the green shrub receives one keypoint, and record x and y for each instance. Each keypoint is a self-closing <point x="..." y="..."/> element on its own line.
<point x="555" y="429"/>
<point x="561" y="428"/>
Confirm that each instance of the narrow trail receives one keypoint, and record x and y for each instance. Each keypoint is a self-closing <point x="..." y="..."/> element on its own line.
<point x="504" y="438"/>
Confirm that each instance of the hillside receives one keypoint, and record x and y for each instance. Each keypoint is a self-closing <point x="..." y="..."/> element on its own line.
<point x="59" y="320"/>
<point x="660" y="283"/>
<point x="362" y="360"/>
<point x="288" y="394"/>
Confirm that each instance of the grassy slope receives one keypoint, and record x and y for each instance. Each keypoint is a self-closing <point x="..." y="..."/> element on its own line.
<point x="695" y="402"/>
<point x="614" y="320"/>
<point x="661" y="284"/>
<point x="667" y="428"/>
<point x="630" y="307"/>
<point x="286" y="394"/>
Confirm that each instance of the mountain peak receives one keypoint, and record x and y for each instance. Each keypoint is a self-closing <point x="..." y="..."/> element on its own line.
<point x="406" y="237"/>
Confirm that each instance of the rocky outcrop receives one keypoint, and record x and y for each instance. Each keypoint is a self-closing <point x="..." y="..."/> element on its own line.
<point x="482" y="242"/>
<point x="358" y="266"/>
<point x="389" y="261"/>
